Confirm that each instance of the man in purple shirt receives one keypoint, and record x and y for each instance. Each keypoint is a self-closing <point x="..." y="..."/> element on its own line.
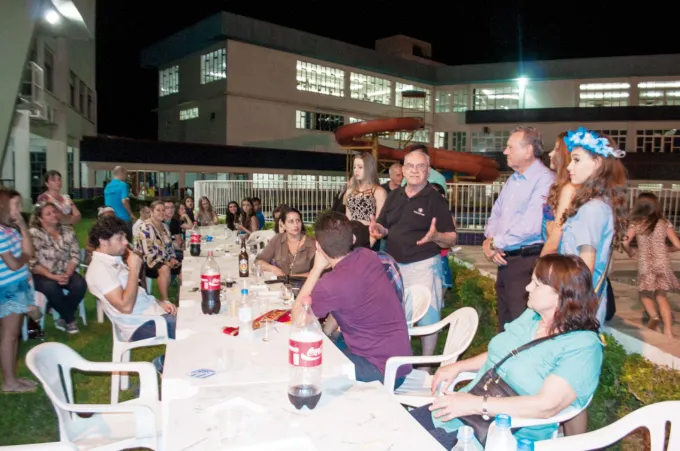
<point x="361" y="298"/>
<point x="513" y="232"/>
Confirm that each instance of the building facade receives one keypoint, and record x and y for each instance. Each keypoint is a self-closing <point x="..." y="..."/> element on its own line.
<point x="232" y="80"/>
<point x="57" y="101"/>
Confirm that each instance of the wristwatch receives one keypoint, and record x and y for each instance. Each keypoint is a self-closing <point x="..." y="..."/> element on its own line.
<point x="492" y="246"/>
<point x="485" y="412"/>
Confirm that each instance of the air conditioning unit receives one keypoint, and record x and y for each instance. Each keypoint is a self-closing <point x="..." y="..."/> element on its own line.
<point x="44" y="113"/>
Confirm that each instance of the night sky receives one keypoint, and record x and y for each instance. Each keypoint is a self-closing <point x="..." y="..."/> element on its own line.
<point x="480" y="31"/>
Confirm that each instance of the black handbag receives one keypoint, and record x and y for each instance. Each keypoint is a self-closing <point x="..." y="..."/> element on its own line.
<point x="493" y="386"/>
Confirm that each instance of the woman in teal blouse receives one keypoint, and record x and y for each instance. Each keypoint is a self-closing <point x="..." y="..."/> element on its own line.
<point x="549" y="377"/>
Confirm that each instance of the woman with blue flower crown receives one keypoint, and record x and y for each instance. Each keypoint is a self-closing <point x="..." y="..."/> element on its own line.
<point x="594" y="223"/>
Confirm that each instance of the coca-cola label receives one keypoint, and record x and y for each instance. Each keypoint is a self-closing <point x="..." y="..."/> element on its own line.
<point x="305" y="353"/>
<point x="210" y="282"/>
<point x="195" y="238"/>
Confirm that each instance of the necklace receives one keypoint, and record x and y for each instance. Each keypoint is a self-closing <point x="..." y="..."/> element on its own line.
<point x="297" y="249"/>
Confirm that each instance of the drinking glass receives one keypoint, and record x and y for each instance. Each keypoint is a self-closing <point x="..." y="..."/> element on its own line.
<point x="286" y="293"/>
<point x="267" y="325"/>
<point x="259" y="272"/>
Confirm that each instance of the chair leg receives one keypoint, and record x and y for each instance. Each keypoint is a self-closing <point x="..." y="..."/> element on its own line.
<point x="100" y="312"/>
<point x="24" y="329"/>
<point x="149" y="285"/>
<point x="83" y="316"/>
<point x="115" y="387"/>
<point x="124" y="377"/>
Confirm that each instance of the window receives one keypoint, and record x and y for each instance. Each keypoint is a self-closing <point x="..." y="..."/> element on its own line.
<point x="650" y="187"/>
<point x="38" y="163"/>
<point x="603" y="94"/>
<point x="190" y="113"/>
<point x="667" y="141"/>
<point x="333" y="178"/>
<point x="214" y="66"/>
<point x="49" y="70"/>
<point x="498" y="98"/>
<point x="442" y="101"/>
<point x="370" y="89"/>
<point x="302" y="181"/>
<point x="412" y="103"/>
<point x="269" y="181"/>
<point x="81" y="97"/>
<point x="441" y="140"/>
<point x="90" y="112"/>
<point x="416" y="136"/>
<point x="354" y="120"/>
<point x="71" y="170"/>
<point x="460" y="101"/>
<point x="320" y="79"/>
<point x="617" y="135"/>
<point x="310" y="120"/>
<point x="659" y="93"/>
<point x="489" y="142"/>
<point x="168" y="81"/>
<point x="72" y="87"/>
<point x="459" y="141"/>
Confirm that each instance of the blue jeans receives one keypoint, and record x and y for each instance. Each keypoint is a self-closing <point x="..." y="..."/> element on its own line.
<point x="148" y="329"/>
<point x="364" y="371"/>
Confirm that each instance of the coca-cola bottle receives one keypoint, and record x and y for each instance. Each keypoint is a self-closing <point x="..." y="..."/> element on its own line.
<point x="305" y="351"/>
<point x="210" y="286"/>
<point x="195" y="241"/>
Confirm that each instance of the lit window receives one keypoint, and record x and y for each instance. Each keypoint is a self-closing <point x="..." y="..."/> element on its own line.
<point x="497" y="98"/>
<point x="320" y="79"/>
<point x="190" y="113"/>
<point x="617" y="135"/>
<point x="441" y="140"/>
<point x="659" y="93"/>
<point x="650" y="187"/>
<point x="214" y="66"/>
<point x="414" y="103"/>
<point x="72" y="89"/>
<point x="489" y="142"/>
<point x="354" y="120"/>
<point x="416" y="136"/>
<point x="442" y="101"/>
<point x="666" y="141"/>
<point x="168" y="81"/>
<point x="270" y="181"/>
<point x="309" y="120"/>
<point x="603" y="94"/>
<point x="370" y="89"/>
<point x="299" y="181"/>
<point x="460" y="101"/>
<point x="459" y="141"/>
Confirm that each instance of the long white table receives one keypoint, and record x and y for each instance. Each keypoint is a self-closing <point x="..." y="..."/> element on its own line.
<point x="251" y="383"/>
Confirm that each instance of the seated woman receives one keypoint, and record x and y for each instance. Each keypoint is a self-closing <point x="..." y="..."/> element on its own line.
<point x="290" y="253"/>
<point x="233" y="216"/>
<point x="154" y="243"/>
<point x="248" y="222"/>
<point x="550" y="376"/>
<point x="206" y="216"/>
<point x="57" y="256"/>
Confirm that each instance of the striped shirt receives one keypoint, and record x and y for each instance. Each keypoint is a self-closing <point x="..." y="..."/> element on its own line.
<point x="10" y="241"/>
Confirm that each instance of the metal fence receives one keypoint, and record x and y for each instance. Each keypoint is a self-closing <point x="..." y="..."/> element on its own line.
<point x="470" y="203"/>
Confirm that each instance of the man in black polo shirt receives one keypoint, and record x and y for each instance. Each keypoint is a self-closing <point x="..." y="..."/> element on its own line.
<point x="417" y="223"/>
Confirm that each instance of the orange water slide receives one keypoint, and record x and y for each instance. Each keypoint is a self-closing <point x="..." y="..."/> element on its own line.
<point x="483" y="169"/>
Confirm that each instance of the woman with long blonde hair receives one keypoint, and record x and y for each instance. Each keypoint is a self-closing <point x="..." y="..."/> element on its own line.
<point x="365" y="197"/>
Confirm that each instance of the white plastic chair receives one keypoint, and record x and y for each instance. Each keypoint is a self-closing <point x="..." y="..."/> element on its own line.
<point x="122" y="347"/>
<point x="416" y="302"/>
<point x="415" y="391"/>
<point x="41" y="302"/>
<point x="653" y="417"/>
<point x="261" y="238"/>
<point x="131" y="424"/>
<point x="51" y="446"/>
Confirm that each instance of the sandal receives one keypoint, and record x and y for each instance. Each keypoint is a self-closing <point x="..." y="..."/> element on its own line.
<point x="653" y="323"/>
<point x="20" y="388"/>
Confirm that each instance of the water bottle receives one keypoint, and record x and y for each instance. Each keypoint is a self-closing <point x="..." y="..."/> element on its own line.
<point x="500" y="436"/>
<point x="245" y="315"/>
<point x="466" y="439"/>
<point x="524" y="444"/>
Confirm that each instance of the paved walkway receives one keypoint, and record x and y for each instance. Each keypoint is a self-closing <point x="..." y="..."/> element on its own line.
<point x="628" y="326"/>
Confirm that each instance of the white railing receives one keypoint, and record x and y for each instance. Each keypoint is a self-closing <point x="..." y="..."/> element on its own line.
<point x="470" y="203"/>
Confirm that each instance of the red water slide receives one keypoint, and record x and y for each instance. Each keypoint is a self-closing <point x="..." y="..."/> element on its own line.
<point x="483" y="169"/>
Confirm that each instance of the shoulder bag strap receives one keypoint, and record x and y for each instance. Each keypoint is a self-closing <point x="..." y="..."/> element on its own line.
<point x="605" y="273"/>
<point x="524" y="347"/>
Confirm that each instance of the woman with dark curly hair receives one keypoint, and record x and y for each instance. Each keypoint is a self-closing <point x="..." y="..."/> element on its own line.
<point x="595" y="222"/>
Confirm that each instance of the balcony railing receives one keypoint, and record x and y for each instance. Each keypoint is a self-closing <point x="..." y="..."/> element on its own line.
<point x="470" y="203"/>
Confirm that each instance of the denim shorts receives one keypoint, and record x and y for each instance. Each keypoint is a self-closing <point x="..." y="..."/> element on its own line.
<point x="15" y="298"/>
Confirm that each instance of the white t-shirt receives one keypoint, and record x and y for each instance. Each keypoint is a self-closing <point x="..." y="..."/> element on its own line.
<point x="108" y="272"/>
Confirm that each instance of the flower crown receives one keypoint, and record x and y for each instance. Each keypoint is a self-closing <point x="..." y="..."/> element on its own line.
<point x="592" y="142"/>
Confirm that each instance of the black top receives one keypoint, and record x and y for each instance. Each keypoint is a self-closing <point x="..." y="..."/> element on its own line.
<point x="386" y="185"/>
<point x="409" y="219"/>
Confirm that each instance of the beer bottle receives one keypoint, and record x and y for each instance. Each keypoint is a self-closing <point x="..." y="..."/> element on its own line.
<point x="243" y="260"/>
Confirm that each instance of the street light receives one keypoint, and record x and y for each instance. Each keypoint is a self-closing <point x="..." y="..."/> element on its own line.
<point x="522" y="82"/>
<point x="52" y="17"/>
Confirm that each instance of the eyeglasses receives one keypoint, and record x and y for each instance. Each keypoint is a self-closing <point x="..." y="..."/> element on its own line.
<point x="418" y="167"/>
